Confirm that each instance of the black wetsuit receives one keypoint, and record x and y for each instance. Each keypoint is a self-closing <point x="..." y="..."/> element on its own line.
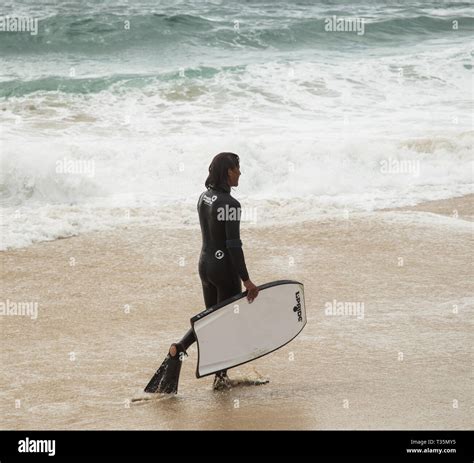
<point x="221" y="263"/>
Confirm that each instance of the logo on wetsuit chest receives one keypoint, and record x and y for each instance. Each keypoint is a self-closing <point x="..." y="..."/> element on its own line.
<point x="297" y="307"/>
<point x="208" y="200"/>
<point x="219" y="254"/>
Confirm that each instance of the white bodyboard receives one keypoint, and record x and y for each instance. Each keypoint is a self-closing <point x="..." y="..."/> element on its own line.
<point x="235" y="332"/>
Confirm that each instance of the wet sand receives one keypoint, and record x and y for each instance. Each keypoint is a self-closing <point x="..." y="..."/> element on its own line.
<point x="110" y="303"/>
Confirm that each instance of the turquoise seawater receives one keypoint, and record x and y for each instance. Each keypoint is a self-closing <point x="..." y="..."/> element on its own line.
<point x="331" y="105"/>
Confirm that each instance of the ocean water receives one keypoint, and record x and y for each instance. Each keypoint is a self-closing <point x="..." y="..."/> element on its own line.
<point x="112" y="112"/>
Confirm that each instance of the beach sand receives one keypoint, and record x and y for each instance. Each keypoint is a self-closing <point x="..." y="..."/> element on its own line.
<point x="110" y="303"/>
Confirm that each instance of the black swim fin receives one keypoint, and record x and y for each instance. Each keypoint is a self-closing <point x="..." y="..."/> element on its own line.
<point x="166" y="378"/>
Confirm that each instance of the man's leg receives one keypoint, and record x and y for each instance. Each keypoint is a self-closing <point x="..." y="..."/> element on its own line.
<point x="228" y="288"/>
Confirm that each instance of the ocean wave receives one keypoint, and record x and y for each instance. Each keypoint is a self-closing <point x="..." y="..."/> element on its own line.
<point x="96" y="34"/>
<point x="21" y="87"/>
<point x="51" y="189"/>
<point x="98" y="119"/>
<point x="65" y="172"/>
<point x="113" y="82"/>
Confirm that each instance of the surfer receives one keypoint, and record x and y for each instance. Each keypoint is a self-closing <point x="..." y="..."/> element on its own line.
<point x="221" y="263"/>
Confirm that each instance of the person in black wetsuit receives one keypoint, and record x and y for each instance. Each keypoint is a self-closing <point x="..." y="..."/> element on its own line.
<point x="221" y="263"/>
